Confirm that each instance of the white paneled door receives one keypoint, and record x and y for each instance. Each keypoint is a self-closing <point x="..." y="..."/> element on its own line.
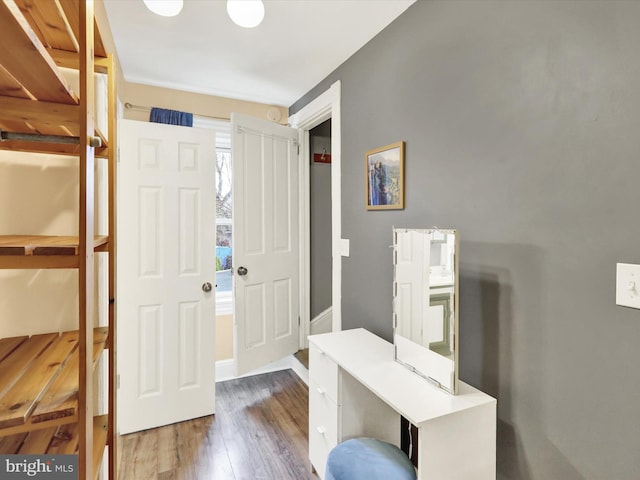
<point x="166" y="274"/>
<point x="265" y="241"/>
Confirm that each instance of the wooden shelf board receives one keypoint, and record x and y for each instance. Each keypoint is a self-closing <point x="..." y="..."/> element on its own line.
<point x="10" y="87"/>
<point x="8" y="345"/>
<point x="49" y="22"/>
<point x="44" y="245"/>
<point x="49" y="148"/>
<point x="29" y="426"/>
<point x="71" y="60"/>
<point x="37" y="441"/>
<point x="25" y="57"/>
<point x="24" y="115"/>
<point x="11" y="444"/>
<point x="42" y="117"/>
<point x="21" y="358"/>
<point x="20" y="400"/>
<point x="38" y="262"/>
<point x="39" y="380"/>
<point x="61" y="399"/>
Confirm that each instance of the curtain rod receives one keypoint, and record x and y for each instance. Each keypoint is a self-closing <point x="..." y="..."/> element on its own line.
<point x="131" y="106"/>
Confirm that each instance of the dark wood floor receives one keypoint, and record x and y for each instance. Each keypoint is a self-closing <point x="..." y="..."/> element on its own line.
<point x="260" y="431"/>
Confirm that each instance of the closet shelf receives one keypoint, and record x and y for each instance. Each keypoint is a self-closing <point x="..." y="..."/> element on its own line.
<point x="42" y="251"/>
<point x="44" y="244"/>
<point x="51" y="148"/>
<point x="41" y="118"/>
<point x="39" y="380"/>
<point x="61" y="439"/>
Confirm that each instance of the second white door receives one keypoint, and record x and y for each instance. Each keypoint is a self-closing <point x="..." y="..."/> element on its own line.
<point x="266" y="241"/>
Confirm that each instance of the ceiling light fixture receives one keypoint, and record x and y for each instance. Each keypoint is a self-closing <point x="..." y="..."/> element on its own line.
<point x="166" y="8"/>
<point x="246" y="13"/>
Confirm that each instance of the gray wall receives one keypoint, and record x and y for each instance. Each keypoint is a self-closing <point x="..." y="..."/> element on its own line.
<point x="320" y="224"/>
<point x="522" y="129"/>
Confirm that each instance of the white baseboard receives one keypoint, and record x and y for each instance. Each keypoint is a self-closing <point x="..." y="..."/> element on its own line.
<point x="300" y="370"/>
<point x="322" y="323"/>
<point x="225" y="369"/>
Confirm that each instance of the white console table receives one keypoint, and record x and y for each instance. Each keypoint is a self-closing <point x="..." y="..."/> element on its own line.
<point x="356" y="389"/>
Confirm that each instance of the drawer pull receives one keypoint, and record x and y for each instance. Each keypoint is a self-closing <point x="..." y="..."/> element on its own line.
<point x="321" y="430"/>
<point x="320" y="390"/>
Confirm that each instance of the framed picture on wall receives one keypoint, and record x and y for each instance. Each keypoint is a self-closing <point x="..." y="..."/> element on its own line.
<point x="385" y="177"/>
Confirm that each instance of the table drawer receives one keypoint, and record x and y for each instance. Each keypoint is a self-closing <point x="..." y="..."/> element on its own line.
<point x="323" y="413"/>
<point x="323" y="427"/>
<point x="324" y="372"/>
<point x="319" y="448"/>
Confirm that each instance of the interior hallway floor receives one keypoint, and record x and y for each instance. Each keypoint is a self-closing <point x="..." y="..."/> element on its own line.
<point x="259" y="431"/>
<point x="303" y="357"/>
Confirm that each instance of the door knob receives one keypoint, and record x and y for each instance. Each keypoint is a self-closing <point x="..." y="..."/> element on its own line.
<point x="206" y="287"/>
<point x="242" y="271"/>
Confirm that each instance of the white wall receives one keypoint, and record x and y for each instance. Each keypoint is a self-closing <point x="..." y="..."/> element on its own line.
<point x="39" y="195"/>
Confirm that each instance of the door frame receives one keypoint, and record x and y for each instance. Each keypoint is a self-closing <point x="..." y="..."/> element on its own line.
<point x="325" y="106"/>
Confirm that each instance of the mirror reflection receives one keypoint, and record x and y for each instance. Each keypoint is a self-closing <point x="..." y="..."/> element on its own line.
<point x="425" y="303"/>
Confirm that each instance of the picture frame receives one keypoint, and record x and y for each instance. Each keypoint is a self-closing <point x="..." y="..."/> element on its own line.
<point x="385" y="177"/>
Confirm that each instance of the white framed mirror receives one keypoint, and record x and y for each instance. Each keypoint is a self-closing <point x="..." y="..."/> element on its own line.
<point x="425" y="303"/>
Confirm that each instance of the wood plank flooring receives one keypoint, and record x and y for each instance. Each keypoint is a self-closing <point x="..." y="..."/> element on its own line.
<point x="303" y="357"/>
<point x="259" y="432"/>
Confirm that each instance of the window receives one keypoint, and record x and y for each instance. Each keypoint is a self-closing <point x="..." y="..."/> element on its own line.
<point x="224" y="217"/>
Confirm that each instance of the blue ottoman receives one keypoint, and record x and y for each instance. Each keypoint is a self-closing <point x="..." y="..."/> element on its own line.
<point x="368" y="459"/>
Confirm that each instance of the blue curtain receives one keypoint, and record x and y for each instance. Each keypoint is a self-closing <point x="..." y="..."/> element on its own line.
<point x="171" y="117"/>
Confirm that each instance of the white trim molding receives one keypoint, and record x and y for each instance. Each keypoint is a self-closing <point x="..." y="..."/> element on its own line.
<point x="323" y="322"/>
<point x="225" y="369"/>
<point x="325" y="106"/>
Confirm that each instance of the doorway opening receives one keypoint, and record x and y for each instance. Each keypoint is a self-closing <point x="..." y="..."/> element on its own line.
<point x="320" y="227"/>
<point x="324" y="107"/>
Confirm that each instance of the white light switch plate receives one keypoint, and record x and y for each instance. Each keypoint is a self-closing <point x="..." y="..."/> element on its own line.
<point x="628" y="285"/>
<point x="344" y="247"/>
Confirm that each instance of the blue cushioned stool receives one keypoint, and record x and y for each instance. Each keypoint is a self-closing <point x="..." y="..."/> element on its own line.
<point x="368" y="459"/>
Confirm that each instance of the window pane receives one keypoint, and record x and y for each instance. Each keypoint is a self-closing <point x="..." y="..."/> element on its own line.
<point x="224" y="210"/>
<point x="224" y="262"/>
<point x="224" y="206"/>
<point x="223" y="247"/>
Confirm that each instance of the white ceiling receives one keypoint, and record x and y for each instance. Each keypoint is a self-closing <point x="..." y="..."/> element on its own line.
<point x="201" y="50"/>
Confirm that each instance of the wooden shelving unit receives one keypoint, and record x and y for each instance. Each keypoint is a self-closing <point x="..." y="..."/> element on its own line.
<point x="47" y="380"/>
